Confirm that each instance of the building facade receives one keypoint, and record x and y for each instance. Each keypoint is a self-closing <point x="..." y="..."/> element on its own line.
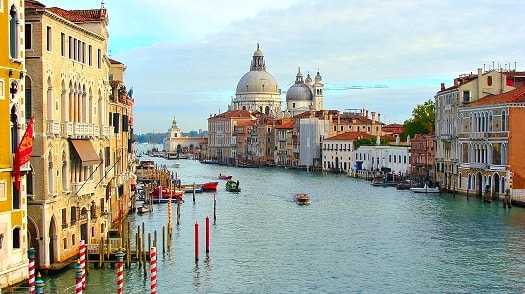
<point x="79" y="163"/>
<point x="14" y="240"/>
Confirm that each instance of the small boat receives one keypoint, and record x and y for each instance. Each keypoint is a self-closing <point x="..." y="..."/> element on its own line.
<point x="404" y="185"/>
<point x="225" y="177"/>
<point x="302" y="198"/>
<point x="165" y="192"/>
<point x="143" y="209"/>
<point x="190" y="188"/>
<point x="382" y="182"/>
<point x="232" y="186"/>
<point x="157" y="200"/>
<point x="210" y="186"/>
<point x="425" y="189"/>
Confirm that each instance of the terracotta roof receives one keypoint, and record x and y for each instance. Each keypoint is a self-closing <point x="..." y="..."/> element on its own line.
<point x="234" y="114"/>
<point x="113" y="61"/>
<point x="516" y="95"/>
<point x="80" y="15"/>
<point x="350" y="136"/>
<point x="33" y="4"/>
<point x="286" y="124"/>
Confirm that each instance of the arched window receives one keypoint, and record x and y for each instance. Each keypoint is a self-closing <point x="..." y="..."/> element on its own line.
<point x="16" y="238"/>
<point x="13" y="32"/>
<point x="28" y="99"/>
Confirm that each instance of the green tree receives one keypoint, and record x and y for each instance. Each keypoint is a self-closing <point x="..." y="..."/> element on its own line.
<point x="422" y="121"/>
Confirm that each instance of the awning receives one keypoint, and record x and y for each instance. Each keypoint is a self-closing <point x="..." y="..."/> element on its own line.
<point x="86" y="152"/>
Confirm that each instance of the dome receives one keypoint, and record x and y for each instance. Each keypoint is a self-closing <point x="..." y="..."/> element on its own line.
<point x="299" y="91"/>
<point x="257" y="80"/>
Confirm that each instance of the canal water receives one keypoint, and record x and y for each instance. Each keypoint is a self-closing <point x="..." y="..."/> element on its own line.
<point x="353" y="237"/>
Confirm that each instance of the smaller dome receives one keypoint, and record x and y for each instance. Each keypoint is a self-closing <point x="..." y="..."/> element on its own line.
<point x="258" y="52"/>
<point x="308" y="80"/>
<point x="318" y="79"/>
<point x="299" y="92"/>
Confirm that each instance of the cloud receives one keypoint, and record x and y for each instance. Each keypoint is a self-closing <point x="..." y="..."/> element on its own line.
<point x="184" y="59"/>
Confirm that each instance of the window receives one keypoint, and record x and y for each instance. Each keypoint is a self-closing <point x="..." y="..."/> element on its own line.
<point x="99" y="58"/>
<point x="64" y="218"/>
<point x="62" y="44"/>
<point x="49" y="38"/>
<point x="466" y="96"/>
<point x="489" y="81"/>
<point x="74" y="211"/>
<point x="16" y="238"/>
<point x="70" y="55"/>
<point x="27" y="36"/>
<point x="90" y="55"/>
<point x="13" y="33"/>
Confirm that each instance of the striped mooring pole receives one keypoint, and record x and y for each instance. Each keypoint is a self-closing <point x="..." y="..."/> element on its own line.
<point x="153" y="269"/>
<point x="120" y="272"/>
<point x="82" y="257"/>
<point x="78" y="278"/>
<point x="31" y="256"/>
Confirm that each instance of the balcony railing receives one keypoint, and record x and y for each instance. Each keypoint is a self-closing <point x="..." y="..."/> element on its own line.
<point x="53" y="128"/>
<point x="478" y="135"/>
<point x="83" y="188"/>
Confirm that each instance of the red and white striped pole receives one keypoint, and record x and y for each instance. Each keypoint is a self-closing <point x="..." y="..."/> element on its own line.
<point x="153" y="269"/>
<point x="120" y="272"/>
<point x="78" y="278"/>
<point x="82" y="261"/>
<point x="31" y="256"/>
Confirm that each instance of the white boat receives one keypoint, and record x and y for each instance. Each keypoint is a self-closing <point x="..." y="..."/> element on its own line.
<point x="425" y="189"/>
<point x="143" y="209"/>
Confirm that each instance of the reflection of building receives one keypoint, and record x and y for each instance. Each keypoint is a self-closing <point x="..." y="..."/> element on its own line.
<point x="175" y="144"/>
<point x="15" y="119"/>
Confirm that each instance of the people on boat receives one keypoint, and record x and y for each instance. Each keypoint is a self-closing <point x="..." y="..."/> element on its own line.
<point x="237" y="186"/>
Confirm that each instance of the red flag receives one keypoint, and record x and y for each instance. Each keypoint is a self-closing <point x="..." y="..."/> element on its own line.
<point x="23" y="153"/>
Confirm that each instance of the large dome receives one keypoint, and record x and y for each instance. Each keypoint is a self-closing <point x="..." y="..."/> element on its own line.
<point x="257" y="82"/>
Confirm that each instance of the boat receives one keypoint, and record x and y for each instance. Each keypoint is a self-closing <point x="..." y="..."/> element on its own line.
<point x="210" y="186"/>
<point x="232" y="186"/>
<point x="157" y="200"/>
<point x="143" y="209"/>
<point x="302" y="198"/>
<point x="404" y="185"/>
<point x="382" y="182"/>
<point x="165" y="192"/>
<point x="425" y="189"/>
<point x="225" y="177"/>
<point x="190" y="188"/>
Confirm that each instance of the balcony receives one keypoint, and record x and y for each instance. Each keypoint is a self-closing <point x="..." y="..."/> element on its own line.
<point x="479" y="165"/>
<point x="478" y="135"/>
<point x="83" y="188"/>
<point x="53" y="128"/>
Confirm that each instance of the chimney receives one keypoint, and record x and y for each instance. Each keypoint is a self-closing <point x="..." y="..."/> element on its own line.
<point x="373" y="117"/>
<point x="442" y="86"/>
<point x="379" y="117"/>
<point x="366" y="113"/>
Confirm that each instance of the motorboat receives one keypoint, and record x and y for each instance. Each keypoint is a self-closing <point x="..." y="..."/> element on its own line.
<point x="302" y="198"/>
<point x="232" y="186"/>
<point x="425" y="189"/>
<point x="210" y="186"/>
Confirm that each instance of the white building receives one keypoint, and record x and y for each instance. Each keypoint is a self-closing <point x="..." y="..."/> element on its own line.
<point x="313" y="130"/>
<point x="389" y="158"/>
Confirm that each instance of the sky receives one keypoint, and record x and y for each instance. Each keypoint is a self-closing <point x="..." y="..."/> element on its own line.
<point x="185" y="58"/>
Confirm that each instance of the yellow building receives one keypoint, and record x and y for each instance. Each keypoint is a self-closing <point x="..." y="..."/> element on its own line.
<point x="69" y="91"/>
<point x="13" y="218"/>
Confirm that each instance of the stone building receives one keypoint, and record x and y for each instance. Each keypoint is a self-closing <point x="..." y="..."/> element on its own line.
<point x="79" y="167"/>
<point x="14" y="241"/>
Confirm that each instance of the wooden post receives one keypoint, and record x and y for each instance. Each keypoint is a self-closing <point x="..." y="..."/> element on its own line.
<point x="163" y="238"/>
<point x="214" y="208"/>
<point x="101" y="252"/>
<point x="193" y="192"/>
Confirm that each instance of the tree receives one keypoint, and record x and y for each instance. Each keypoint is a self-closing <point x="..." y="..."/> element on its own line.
<point x="422" y="121"/>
